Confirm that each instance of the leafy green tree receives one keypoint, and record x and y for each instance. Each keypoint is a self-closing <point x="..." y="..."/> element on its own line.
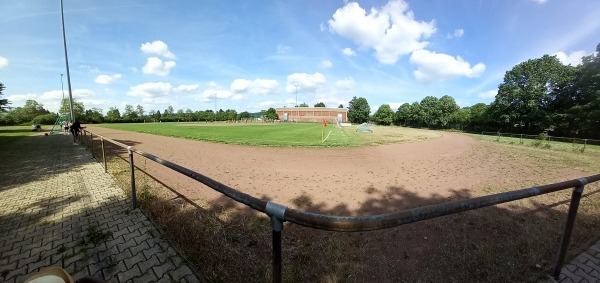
<point x="113" y="115"/>
<point x="3" y="102"/>
<point x="45" y="119"/>
<point x="527" y="95"/>
<point x="358" y="110"/>
<point x="430" y="111"/>
<point x="320" y="104"/>
<point x="447" y="106"/>
<point x="303" y="104"/>
<point x="78" y="108"/>
<point x="139" y="110"/>
<point x="384" y="115"/>
<point x="341" y="106"/>
<point x="244" y="116"/>
<point x="94" y="115"/>
<point x="129" y="115"/>
<point x="271" y="114"/>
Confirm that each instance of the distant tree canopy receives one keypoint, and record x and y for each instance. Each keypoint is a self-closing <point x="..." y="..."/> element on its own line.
<point x="303" y="104"/>
<point x="3" y="102"/>
<point x="358" y="110"/>
<point x="320" y="104"/>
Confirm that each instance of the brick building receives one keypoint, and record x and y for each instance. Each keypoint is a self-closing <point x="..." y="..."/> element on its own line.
<point x="312" y="114"/>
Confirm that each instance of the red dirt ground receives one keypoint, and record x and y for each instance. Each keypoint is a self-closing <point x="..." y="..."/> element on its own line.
<point x="341" y="180"/>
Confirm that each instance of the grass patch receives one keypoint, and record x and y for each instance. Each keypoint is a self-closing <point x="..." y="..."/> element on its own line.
<point x="279" y="134"/>
<point x="9" y="134"/>
<point x="542" y="141"/>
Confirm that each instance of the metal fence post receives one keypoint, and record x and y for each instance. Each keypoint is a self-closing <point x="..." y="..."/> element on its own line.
<point x="103" y="156"/>
<point x="277" y="213"/>
<point x="132" y="170"/>
<point x="92" y="144"/>
<point x="584" y="143"/>
<point x="564" y="243"/>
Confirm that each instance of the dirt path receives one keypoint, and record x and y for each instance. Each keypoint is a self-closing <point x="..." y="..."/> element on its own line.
<point x="341" y="180"/>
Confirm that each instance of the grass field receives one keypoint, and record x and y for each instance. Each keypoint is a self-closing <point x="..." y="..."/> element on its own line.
<point x="286" y="134"/>
<point x="9" y="134"/>
<point x="547" y="144"/>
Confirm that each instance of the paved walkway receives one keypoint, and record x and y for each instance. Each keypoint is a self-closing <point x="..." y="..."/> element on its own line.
<point x="59" y="208"/>
<point x="582" y="269"/>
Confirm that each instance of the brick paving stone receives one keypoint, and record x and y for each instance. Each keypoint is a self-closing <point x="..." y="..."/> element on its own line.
<point x="45" y="218"/>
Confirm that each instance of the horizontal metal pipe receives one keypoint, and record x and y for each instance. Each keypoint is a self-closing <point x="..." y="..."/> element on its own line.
<point x="370" y="222"/>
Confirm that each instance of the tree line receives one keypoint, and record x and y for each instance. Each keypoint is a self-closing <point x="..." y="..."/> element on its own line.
<point x="539" y="95"/>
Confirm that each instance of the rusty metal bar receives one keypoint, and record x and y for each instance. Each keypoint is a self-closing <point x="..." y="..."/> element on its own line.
<point x="103" y="154"/>
<point x="564" y="243"/>
<point x="92" y="144"/>
<point x="277" y="213"/>
<point x="130" y="150"/>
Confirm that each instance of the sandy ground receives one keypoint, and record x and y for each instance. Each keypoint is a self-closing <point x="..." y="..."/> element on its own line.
<point x="361" y="180"/>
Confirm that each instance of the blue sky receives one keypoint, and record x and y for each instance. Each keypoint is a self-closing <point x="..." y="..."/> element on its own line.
<point x="252" y="55"/>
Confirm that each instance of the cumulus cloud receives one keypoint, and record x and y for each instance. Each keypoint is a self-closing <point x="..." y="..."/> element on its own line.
<point x="573" y="59"/>
<point x="391" y="31"/>
<point x="212" y="93"/>
<point x="267" y="103"/>
<point x="157" y="47"/>
<point x="305" y="82"/>
<point x="156" y="66"/>
<point x="326" y="64"/>
<point x="3" y="62"/>
<point x="258" y="86"/>
<point x="348" y="52"/>
<point x="345" y="84"/>
<point x="488" y="94"/>
<point x="158" y="92"/>
<point x="107" y="79"/>
<point x="432" y="66"/>
<point x="457" y="33"/>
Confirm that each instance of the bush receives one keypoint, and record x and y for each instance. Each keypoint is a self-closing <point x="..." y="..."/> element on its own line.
<point x="46" y="119"/>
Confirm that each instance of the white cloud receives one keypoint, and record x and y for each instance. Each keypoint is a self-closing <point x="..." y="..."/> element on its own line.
<point x="345" y="84"/>
<point x="107" y="79"/>
<point x="326" y="64"/>
<point x="395" y="105"/>
<point x="17" y="100"/>
<point x="573" y="59"/>
<point x="3" y="62"/>
<point x="391" y="31"/>
<point x="540" y="1"/>
<point x="258" y="86"/>
<point x="348" y="52"/>
<point x="157" y="47"/>
<point x="155" y="66"/>
<point x="211" y="93"/>
<point x="322" y="27"/>
<point x="267" y="103"/>
<point x="432" y="66"/>
<point x="186" y="88"/>
<point x="282" y="49"/>
<point x="457" y="33"/>
<point x="306" y="82"/>
<point x="488" y="94"/>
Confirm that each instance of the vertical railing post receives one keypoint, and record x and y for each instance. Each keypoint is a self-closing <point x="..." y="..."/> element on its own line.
<point x="564" y="243"/>
<point x="132" y="170"/>
<point x="103" y="155"/>
<point x="92" y="144"/>
<point x="584" y="143"/>
<point x="277" y="213"/>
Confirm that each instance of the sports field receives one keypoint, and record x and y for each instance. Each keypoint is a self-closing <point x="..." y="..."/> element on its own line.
<point x="280" y="134"/>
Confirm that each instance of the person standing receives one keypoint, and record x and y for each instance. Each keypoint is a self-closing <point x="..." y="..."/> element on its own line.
<point x="75" y="131"/>
<point x="65" y="127"/>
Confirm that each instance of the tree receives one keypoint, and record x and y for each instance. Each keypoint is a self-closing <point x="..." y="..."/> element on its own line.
<point x="244" y="116"/>
<point x="65" y="108"/>
<point x="303" y="104"/>
<point x="447" y="106"/>
<point x="430" y="112"/>
<point x="94" y="115"/>
<point x="139" y="109"/>
<point x="527" y="95"/>
<point x="3" y="102"/>
<point x="384" y="115"/>
<point x="358" y="110"/>
<point x="271" y="114"/>
<point x="341" y="106"/>
<point x="320" y="104"/>
<point x="113" y="115"/>
<point x="129" y="114"/>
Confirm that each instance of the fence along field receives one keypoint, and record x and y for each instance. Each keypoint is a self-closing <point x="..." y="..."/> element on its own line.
<point x="464" y="247"/>
<point x="547" y="141"/>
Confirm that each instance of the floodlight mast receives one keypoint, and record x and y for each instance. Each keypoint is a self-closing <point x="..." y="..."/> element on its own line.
<point x="296" y="94"/>
<point x="62" y="17"/>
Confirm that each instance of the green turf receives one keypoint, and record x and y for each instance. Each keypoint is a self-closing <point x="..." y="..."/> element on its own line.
<point x="278" y="134"/>
<point x="9" y="134"/>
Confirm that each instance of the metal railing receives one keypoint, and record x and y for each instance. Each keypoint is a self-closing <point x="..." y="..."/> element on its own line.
<point x="279" y="213"/>
<point x="546" y="139"/>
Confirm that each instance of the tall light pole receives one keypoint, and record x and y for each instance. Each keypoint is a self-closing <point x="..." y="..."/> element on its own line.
<point x="62" y="17"/>
<point x="62" y="87"/>
<point x="296" y="94"/>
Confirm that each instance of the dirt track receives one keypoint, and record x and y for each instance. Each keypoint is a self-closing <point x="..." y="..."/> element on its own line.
<point x="343" y="180"/>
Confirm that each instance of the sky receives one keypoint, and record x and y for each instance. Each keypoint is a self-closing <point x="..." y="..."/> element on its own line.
<point x="253" y="55"/>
